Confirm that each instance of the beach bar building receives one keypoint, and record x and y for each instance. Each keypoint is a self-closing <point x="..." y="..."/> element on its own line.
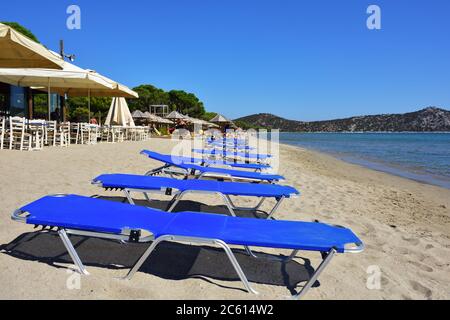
<point x="29" y="71"/>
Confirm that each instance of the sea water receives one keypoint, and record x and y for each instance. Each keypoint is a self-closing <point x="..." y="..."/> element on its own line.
<point x="424" y="157"/>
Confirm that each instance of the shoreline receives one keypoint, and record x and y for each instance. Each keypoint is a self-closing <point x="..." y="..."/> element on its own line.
<point x="377" y="164"/>
<point x="379" y="167"/>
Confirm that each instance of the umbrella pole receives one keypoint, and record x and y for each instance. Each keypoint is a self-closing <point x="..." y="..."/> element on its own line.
<point x="48" y="100"/>
<point x="89" y="105"/>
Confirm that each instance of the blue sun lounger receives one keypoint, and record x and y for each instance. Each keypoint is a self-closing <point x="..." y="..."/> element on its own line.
<point x="90" y="217"/>
<point x="209" y="162"/>
<point x="230" y="141"/>
<point x="224" y="145"/>
<point x="199" y="172"/>
<point x="232" y="154"/>
<point x="179" y="188"/>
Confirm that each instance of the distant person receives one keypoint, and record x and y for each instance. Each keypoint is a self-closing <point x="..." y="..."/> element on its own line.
<point x="55" y="115"/>
<point x="93" y="121"/>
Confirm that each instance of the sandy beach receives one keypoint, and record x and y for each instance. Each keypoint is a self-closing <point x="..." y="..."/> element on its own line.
<point x="404" y="224"/>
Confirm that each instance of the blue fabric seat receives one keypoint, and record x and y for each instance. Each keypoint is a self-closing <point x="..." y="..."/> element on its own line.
<point x="226" y="145"/>
<point x="191" y="167"/>
<point x="179" y="188"/>
<point x="207" y="162"/>
<point x="129" y="181"/>
<point x="84" y="213"/>
<point x="232" y="154"/>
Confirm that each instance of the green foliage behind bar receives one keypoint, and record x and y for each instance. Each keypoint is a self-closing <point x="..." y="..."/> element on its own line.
<point x="184" y="102"/>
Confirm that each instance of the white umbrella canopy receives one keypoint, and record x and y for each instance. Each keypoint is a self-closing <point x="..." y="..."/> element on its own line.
<point x="116" y="90"/>
<point x="69" y="77"/>
<point x="19" y="51"/>
<point x="119" y="114"/>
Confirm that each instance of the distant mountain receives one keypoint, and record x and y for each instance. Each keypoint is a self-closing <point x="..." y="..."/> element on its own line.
<point x="425" y="120"/>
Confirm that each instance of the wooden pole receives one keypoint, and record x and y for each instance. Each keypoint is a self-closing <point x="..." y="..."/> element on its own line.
<point x="49" y="102"/>
<point x="30" y="103"/>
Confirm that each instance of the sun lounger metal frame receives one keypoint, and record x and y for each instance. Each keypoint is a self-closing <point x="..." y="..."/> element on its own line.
<point x="223" y="163"/>
<point x="233" y="155"/>
<point x="172" y="170"/>
<point x="135" y="236"/>
<point x="178" y="195"/>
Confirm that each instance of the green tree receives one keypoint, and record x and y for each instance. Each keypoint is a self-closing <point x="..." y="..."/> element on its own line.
<point x="186" y="103"/>
<point x="208" y="116"/>
<point x="19" y="28"/>
<point x="99" y="107"/>
<point x="246" y="125"/>
<point x="79" y="114"/>
<point x="148" y="95"/>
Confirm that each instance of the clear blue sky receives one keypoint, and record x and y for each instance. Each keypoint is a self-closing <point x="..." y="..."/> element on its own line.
<point x="300" y="59"/>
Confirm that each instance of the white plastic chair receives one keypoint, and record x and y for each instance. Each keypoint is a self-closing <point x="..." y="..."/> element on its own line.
<point x="38" y="131"/>
<point x="64" y="134"/>
<point x="84" y="133"/>
<point x="2" y="132"/>
<point x="17" y="136"/>
<point x="74" y="133"/>
<point x="93" y="133"/>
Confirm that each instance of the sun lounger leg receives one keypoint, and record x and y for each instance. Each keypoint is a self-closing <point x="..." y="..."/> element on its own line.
<point x="145" y="256"/>
<point x="253" y="255"/>
<point x="147" y="197"/>
<point x="260" y="203"/>
<point x="179" y="196"/>
<point x="220" y="243"/>
<point x="236" y="266"/>
<point x="175" y="202"/>
<point x="292" y="256"/>
<point x="250" y="252"/>
<point x="229" y="204"/>
<point x="271" y="213"/>
<point x="72" y="252"/>
<point x="316" y="274"/>
<point x="275" y="208"/>
<point x="128" y="196"/>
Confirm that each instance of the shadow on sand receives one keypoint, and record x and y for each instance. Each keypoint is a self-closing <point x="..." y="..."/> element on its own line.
<point x="174" y="261"/>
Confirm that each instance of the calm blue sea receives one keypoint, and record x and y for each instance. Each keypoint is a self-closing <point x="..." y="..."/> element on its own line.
<point x="423" y="157"/>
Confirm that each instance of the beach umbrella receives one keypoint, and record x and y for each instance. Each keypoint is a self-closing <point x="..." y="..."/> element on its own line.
<point x="194" y="120"/>
<point x="19" y="51"/>
<point x="212" y="125"/>
<point x="220" y="119"/>
<point x="138" y="115"/>
<point x="119" y="114"/>
<point x="69" y="77"/>
<point x="162" y="120"/>
<point x="116" y="90"/>
<point x="150" y="117"/>
<point x="175" y="115"/>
